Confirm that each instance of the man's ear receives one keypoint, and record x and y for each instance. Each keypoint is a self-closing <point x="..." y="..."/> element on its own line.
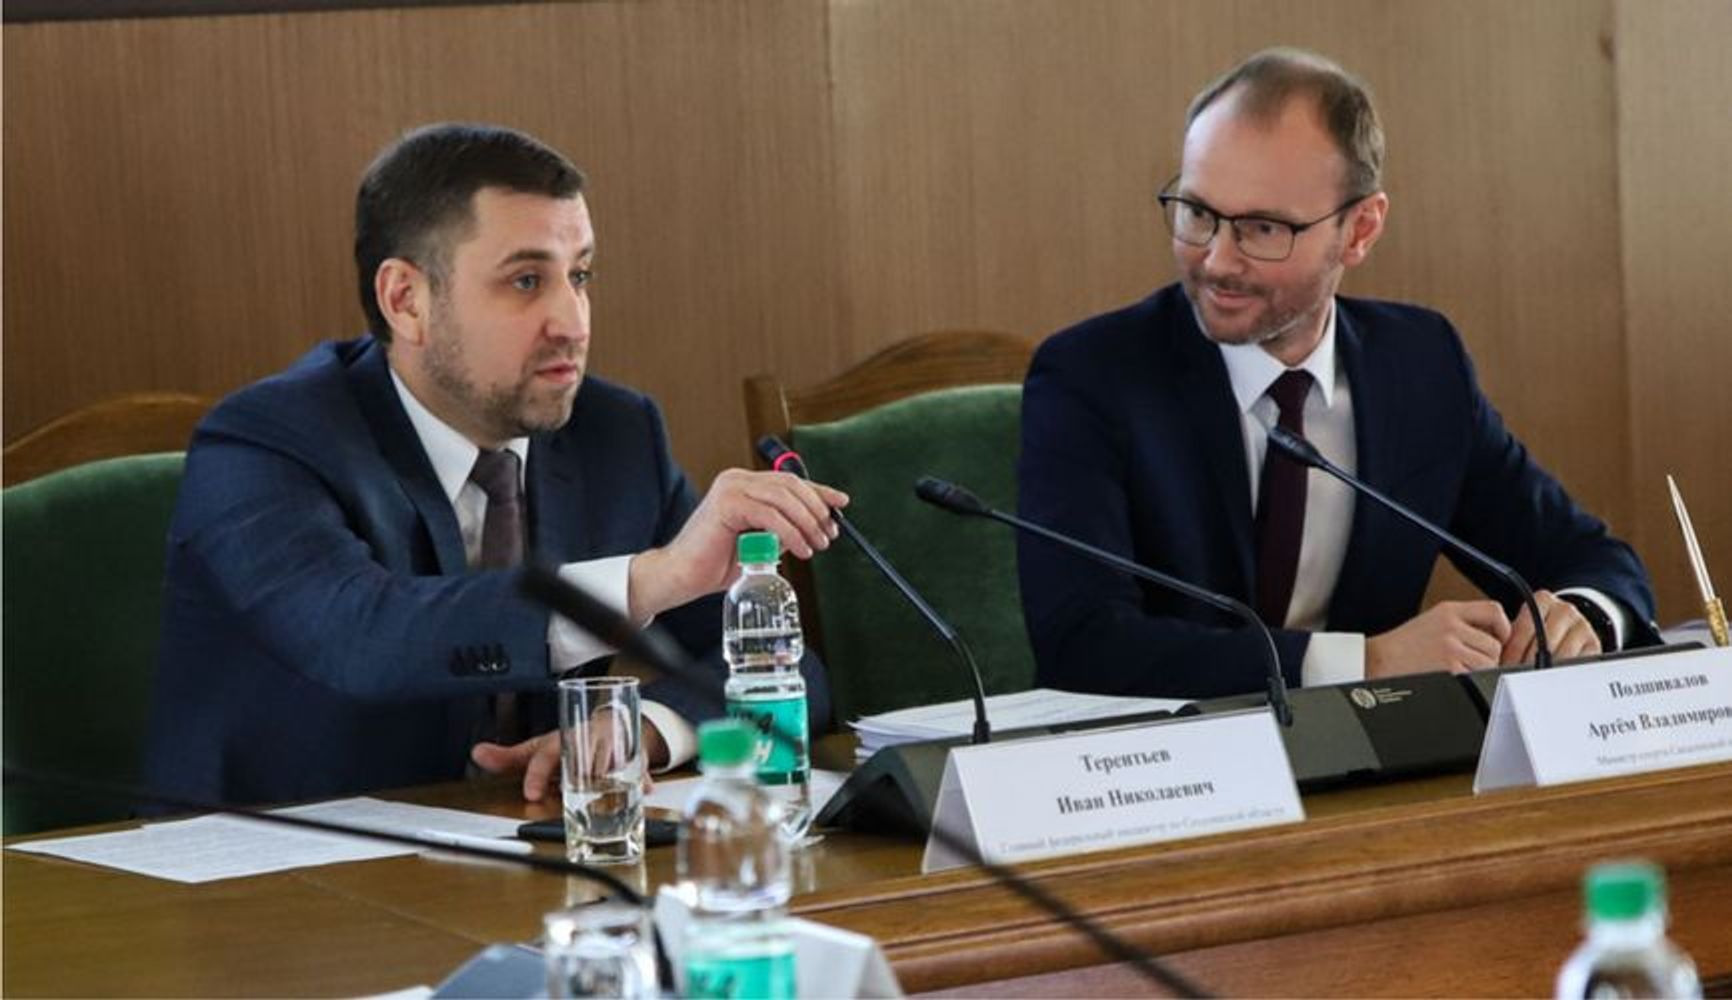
<point x="405" y="298"/>
<point x="1365" y="222"/>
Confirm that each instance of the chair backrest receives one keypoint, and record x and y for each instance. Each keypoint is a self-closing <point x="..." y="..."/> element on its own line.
<point x="138" y="424"/>
<point x="83" y="560"/>
<point x="945" y="404"/>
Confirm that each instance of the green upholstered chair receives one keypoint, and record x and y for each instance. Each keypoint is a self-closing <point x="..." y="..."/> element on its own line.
<point x="83" y="557"/>
<point x="946" y="405"/>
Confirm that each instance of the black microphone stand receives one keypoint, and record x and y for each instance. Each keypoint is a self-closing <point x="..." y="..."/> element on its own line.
<point x="957" y="500"/>
<point x="781" y="457"/>
<point x="1305" y="453"/>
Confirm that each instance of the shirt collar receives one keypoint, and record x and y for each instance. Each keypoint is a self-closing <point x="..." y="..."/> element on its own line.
<point x="1253" y="370"/>
<point x="452" y="454"/>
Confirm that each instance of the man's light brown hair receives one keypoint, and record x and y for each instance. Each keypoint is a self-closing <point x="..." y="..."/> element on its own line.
<point x="1263" y="84"/>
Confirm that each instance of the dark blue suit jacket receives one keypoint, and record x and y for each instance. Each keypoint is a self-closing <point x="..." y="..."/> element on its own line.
<point x="322" y="633"/>
<point x="1131" y="440"/>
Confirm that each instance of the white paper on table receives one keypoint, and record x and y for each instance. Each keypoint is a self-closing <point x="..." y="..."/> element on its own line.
<point x="1021" y="710"/>
<point x="405" y="818"/>
<point x="219" y="846"/>
<point x="672" y="795"/>
<point x="214" y="847"/>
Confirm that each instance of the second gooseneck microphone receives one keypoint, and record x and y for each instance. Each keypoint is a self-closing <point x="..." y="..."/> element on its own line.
<point x="1306" y="453"/>
<point x="785" y="459"/>
<point x="957" y="500"/>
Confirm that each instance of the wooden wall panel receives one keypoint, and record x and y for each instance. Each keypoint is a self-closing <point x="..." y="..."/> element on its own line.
<point x="180" y="191"/>
<point x="1675" y="190"/>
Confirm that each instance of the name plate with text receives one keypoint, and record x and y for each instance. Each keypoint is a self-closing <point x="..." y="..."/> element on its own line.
<point x="1598" y="720"/>
<point x="1101" y="789"/>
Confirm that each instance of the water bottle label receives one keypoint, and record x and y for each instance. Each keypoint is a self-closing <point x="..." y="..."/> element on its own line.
<point x="758" y="976"/>
<point x="780" y="761"/>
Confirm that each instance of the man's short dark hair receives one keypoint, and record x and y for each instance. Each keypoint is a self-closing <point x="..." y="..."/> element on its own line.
<point x="1268" y="79"/>
<point x="417" y="199"/>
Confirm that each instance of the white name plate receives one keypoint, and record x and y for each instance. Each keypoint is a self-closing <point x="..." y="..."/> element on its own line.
<point x="1549" y="727"/>
<point x="1100" y="789"/>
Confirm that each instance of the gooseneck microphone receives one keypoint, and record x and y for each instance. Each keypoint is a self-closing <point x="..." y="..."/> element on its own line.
<point x="1305" y="453"/>
<point x="785" y="459"/>
<point x="958" y="500"/>
<point x="598" y="618"/>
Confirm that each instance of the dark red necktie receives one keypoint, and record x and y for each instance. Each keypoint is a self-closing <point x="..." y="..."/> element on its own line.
<point x="1281" y="506"/>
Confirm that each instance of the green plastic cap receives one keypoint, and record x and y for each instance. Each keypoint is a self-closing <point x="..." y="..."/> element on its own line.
<point x="726" y="742"/>
<point x="759" y="547"/>
<point x="1624" y="890"/>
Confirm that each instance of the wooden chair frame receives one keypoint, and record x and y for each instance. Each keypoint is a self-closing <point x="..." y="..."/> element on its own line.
<point x="135" y="424"/>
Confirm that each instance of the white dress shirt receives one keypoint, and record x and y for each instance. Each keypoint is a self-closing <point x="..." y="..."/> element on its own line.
<point x="1331" y="657"/>
<point x="453" y="458"/>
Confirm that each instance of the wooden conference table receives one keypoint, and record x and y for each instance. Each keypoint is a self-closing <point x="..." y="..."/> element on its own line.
<point x="1414" y="888"/>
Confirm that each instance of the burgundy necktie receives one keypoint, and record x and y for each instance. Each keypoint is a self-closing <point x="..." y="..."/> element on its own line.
<point x="1281" y="506"/>
<point x="496" y="472"/>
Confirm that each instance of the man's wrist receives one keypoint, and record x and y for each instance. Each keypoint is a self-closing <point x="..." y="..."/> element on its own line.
<point x="646" y="595"/>
<point x="1597" y="619"/>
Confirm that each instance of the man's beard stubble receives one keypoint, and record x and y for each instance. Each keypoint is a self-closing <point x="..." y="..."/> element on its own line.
<point x="508" y="411"/>
<point x="1276" y="322"/>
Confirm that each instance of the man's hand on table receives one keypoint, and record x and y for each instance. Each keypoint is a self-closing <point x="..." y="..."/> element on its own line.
<point x="538" y="759"/>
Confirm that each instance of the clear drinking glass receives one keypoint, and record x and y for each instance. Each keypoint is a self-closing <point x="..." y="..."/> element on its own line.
<point x="605" y="949"/>
<point x="601" y="769"/>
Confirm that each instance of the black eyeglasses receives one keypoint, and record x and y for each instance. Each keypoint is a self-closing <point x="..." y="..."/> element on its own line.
<point x="1258" y="236"/>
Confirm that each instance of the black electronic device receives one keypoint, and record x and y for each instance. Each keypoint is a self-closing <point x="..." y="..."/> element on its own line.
<point x="657" y="832"/>
<point x="894" y="791"/>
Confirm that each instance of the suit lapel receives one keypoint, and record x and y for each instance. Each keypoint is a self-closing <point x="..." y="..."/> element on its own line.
<point x="1372" y="413"/>
<point x="401" y="447"/>
<point x="1208" y="401"/>
<point x="556" y="533"/>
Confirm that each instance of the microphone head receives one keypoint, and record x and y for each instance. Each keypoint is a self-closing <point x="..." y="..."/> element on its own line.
<point x="950" y="496"/>
<point x="1295" y="447"/>
<point x="781" y="457"/>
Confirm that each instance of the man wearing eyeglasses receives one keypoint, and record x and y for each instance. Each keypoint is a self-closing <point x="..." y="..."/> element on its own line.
<point x="1145" y="432"/>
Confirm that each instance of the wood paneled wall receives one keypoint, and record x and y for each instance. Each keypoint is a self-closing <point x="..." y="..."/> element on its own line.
<point x="1675" y="200"/>
<point x="790" y="185"/>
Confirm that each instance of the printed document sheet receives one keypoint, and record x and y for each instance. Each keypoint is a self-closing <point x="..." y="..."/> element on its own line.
<point x="219" y="846"/>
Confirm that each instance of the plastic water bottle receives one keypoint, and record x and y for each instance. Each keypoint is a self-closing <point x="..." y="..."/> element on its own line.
<point x="733" y="863"/>
<point x="1627" y="953"/>
<point x="762" y="644"/>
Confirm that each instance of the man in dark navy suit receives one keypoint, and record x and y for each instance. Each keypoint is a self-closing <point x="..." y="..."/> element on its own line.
<point x="339" y="612"/>
<point x="1145" y="432"/>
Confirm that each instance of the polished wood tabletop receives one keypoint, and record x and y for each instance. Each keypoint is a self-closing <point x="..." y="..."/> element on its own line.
<point x="1410" y="888"/>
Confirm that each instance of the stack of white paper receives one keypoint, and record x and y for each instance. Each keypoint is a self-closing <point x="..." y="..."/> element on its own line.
<point x="1039" y="707"/>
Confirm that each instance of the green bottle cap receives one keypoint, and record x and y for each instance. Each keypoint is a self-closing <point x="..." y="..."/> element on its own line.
<point x="759" y="547"/>
<point x="1624" y="890"/>
<point x="726" y="742"/>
